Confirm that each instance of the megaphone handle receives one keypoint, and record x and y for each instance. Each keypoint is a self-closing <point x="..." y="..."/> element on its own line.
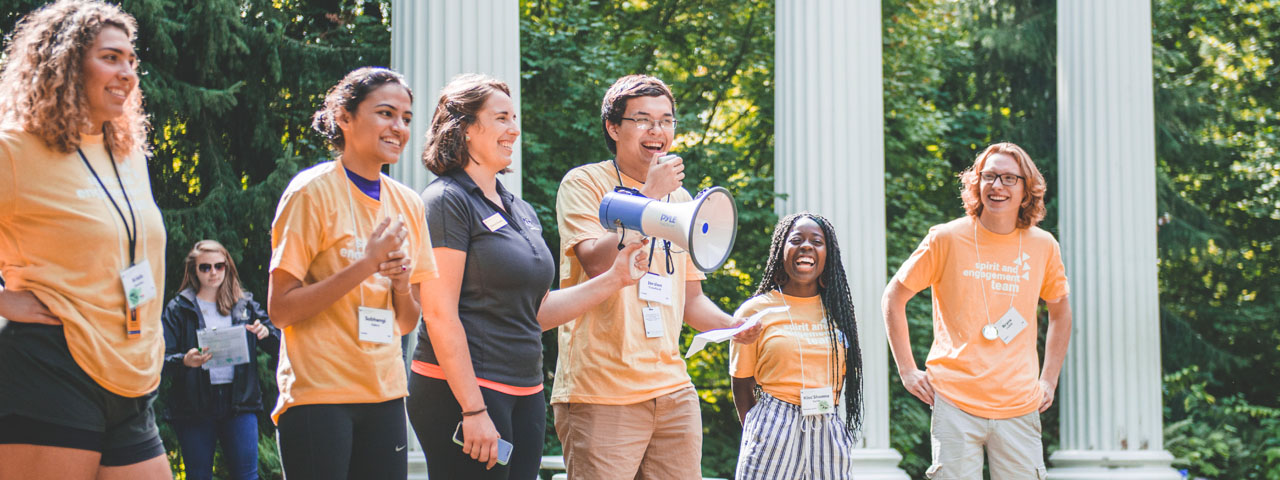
<point x="636" y="273"/>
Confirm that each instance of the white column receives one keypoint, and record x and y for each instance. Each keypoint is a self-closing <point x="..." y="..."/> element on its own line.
<point x="1110" y="388"/>
<point x="432" y="42"/>
<point x="829" y="159"/>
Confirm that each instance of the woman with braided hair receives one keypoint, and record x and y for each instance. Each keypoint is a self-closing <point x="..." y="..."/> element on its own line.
<point x="787" y="385"/>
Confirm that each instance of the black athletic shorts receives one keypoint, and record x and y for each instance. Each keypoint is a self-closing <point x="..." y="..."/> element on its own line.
<point x="47" y="399"/>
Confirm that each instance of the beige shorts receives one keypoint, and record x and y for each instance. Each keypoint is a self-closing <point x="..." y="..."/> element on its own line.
<point x="654" y="439"/>
<point x="1012" y="444"/>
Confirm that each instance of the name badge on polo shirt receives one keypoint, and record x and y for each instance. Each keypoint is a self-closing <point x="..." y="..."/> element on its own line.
<point x="495" y="222"/>
<point x="377" y="325"/>
<point x="817" y="401"/>
<point x="1010" y="324"/>
<point x="652" y="322"/>
<point x="655" y="288"/>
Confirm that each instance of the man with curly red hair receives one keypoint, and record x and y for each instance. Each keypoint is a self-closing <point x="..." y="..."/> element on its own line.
<point x="988" y="271"/>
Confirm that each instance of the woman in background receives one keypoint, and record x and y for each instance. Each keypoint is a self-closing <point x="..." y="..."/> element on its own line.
<point x="208" y="405"/>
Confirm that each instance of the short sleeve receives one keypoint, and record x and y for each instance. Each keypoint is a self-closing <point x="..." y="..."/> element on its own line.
<point x="8" y="178"/>
<point x="742" y="358"/>
<point x="424" y="268"/>
<point x="578" y="210"/>
<point x="1055" y="284"/>
<point x="921" y="269"/>
<point x="295" y="232"/>
<point x="448" y="217"/>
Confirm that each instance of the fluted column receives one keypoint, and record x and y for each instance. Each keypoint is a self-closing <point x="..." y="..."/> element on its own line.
<point x="432" y="42"/>
<point x="1110" y="387"/>
<point x="829" y="159"/>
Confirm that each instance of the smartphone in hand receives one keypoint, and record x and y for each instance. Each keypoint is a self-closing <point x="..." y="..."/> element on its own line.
<point x="504" y="447"/>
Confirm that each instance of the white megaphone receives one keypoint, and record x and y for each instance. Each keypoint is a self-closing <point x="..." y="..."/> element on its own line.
<point x="705" y="227"/>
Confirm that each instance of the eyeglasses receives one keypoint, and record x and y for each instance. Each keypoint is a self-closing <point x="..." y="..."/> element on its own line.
<point x="646" y="124"/>
<point x="1008" y="179"/>
<point x="205" y="267"/>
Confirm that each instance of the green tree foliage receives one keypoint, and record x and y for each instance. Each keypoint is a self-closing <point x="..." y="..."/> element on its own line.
<point x="1217" y="107"/>
<point x="717" y="56"/>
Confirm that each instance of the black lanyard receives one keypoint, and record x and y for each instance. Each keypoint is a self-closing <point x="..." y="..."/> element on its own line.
<point x="132" y="234"/>
<point x="666" y="244"/>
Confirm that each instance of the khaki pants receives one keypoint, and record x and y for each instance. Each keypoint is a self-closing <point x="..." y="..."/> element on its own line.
<point x="655" y="439"/>
<point x="1013" y="445"/>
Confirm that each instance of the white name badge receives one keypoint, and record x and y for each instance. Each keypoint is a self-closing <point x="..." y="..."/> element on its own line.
<point x="652" y="322"/>
<point x="817" y="401"/>
<point x="376" y="325"/>
<point x="495" y="222"/>
<point x="1010" y="324"/>
<point x="655" y="288"/>
<point x="139" y="286"/>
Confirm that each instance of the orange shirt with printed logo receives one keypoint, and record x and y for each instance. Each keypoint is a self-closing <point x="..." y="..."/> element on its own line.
<point x="605" y="357"/>
<point x="61" y="239"/>
<point x="986" y="378"/>
<point x="794" y="349"/>
<point x="314" y="235"/>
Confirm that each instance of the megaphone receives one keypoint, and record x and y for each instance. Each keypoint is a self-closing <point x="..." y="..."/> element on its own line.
<point x="705" y="227"/>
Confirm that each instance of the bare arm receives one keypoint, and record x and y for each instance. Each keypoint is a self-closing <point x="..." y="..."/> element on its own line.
<point x="894" y="304"/>
<point x="597" y="254"/>
<point x="289" y="302"/>
<point x="744" y="396"/>
<point x="23" y="306"/>
<point x="702" y="314"/>
<point x="561" y="306"/>
<point x="1055" y="348"/>
<point x="449" y="341"/>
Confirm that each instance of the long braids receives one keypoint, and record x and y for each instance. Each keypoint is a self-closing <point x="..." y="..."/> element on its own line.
<point x="833" y="287"/>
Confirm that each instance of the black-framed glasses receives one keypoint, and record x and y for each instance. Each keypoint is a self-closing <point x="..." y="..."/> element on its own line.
<point x="1008" y="179"/>
<point x="205" y="267"/>
<point x="646" y="124"/>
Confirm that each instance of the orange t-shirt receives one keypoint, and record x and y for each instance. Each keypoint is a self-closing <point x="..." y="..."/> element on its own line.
<point x="605" y="357"/>
<point x="322" y="359"/>
<point x="61" y="239"/>
<point x="793" y="352"/>
<point x="986" y="378"/>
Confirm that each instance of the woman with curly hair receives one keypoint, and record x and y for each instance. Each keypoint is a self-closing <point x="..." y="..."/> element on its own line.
<point x="81" y="249"/>
<point x="787" y="385"/>
<point x="349" y="248"/>
<point x="477" y="372"/>
<point x="211" y="404"/>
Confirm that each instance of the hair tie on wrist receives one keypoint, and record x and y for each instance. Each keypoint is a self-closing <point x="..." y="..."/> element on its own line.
<point x="475" y="412"/>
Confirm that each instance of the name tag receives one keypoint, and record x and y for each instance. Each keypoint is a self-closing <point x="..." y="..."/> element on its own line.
<point x="652" y="322"/>
<point x="139" y="288"/>
<point x="495" y="222"/>
<point x="655" y="288"/>
<point x="1010" y="324"/>
<point x="377" y="325"/>
<point x="817" y="401"/>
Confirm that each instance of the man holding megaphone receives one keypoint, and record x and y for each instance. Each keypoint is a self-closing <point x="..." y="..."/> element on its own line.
<point x="624" y="404"/>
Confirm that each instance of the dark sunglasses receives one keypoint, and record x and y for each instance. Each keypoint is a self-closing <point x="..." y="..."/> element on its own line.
<point x="204" y="267"/>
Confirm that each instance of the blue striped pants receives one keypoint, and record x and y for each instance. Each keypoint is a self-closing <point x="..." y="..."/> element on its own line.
<point x="778" y="443"/>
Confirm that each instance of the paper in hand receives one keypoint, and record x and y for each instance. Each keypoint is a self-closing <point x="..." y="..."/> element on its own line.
<point x="701" y="340"/>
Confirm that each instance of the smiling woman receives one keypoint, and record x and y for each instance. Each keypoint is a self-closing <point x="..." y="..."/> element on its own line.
<point x="82" y="251"/>
<point x="349" y="248"/>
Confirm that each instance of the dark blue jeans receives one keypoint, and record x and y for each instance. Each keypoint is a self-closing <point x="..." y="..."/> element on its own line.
<point x="238" y="434"/>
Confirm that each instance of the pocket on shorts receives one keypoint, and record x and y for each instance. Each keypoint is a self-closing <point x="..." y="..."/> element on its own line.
<point x="933" y="470"/>
<point x="1041" y="473"/>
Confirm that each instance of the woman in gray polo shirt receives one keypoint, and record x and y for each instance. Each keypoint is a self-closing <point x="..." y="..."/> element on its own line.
<point x="478" y="366"/>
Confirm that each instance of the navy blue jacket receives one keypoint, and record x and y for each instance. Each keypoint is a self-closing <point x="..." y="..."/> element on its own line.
<point x="190" y="395"/>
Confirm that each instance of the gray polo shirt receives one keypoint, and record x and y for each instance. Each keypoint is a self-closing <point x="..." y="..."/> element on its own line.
<point x="508" y="271"/>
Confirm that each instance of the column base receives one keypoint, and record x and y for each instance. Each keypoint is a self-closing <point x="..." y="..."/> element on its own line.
<point x="877" y="464"/>
<point x="1112" y="465"/>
